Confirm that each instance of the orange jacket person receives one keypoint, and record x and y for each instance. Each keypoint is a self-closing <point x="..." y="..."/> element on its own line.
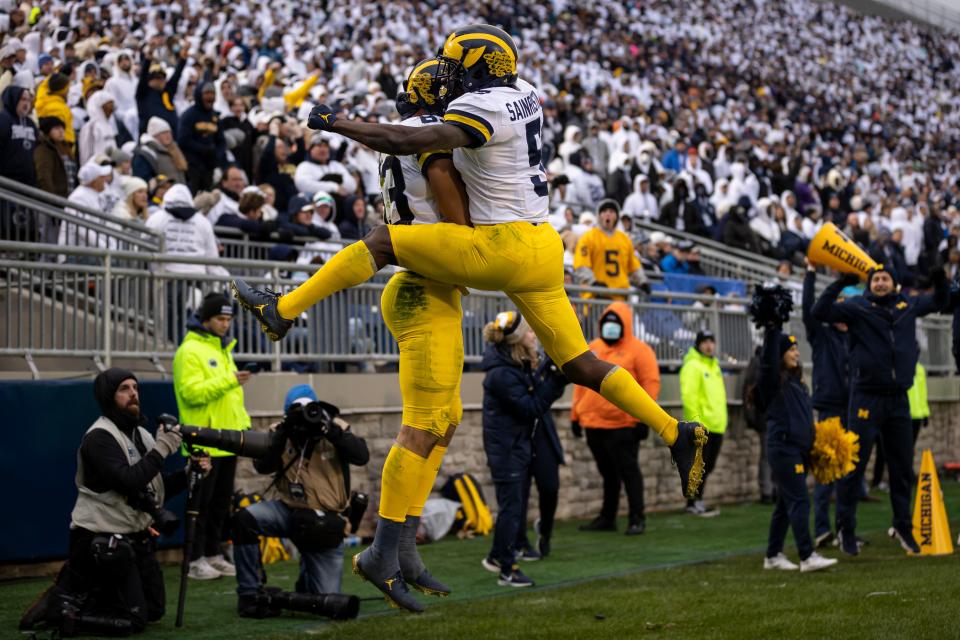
<point x="612" y="435"/>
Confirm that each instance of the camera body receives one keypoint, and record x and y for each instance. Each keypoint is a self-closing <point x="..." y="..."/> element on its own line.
<point x="310" y="421"/>
<point x="164" y="521"/>
<point x="771" y="305"/>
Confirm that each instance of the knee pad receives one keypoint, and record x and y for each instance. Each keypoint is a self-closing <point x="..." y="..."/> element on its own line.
<point x="245" y="528"/>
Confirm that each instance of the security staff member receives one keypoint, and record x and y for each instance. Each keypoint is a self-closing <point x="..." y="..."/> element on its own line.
<point x="209" y="391"/>
<point x="830" y="350"/>
<point x="883" y="357"/>
<point x="783" y="398"/>
<point x="313" y="487"/>
<point x="604" y="255"/>
<point x="111" y="571"/>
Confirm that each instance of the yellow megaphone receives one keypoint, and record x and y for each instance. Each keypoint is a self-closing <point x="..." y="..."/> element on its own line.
<point x="832" y="247"/>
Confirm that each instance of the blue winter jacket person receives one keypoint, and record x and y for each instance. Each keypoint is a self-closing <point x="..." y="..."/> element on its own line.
<point x="516" y="400"/>
<point x="199" y="135"/>
<point x="883" y="334"/>
<point x="158" y="103"/>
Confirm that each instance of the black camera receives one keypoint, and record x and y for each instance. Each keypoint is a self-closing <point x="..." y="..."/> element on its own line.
<point x="771" y="305"/>
<point x="336" y="606"/>
<point x="309" y="421"/>
<point x="164" y="521"/>
<point x="250" y="444"/>
<point x="359" y="502"/>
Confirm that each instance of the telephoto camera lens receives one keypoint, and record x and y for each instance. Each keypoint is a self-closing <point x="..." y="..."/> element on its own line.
<point x="336" y="606"/>
<point x="247" y="443"/>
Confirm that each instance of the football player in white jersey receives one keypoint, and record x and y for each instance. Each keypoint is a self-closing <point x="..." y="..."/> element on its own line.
<point x="493" y="127"/>
<point x="424" y="317"/>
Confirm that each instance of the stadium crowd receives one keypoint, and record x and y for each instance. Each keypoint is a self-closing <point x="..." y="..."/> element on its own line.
<point x="749" y="122"/>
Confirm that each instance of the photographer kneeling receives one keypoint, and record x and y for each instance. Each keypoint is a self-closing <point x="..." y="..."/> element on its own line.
<point x="311" y="459"/>
<point x="111" y="582"/>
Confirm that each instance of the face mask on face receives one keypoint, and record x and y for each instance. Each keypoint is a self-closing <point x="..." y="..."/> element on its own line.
<point x="611" y="331"/>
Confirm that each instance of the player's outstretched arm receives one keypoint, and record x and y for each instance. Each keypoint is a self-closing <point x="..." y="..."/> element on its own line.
<point x="394" y="139"/>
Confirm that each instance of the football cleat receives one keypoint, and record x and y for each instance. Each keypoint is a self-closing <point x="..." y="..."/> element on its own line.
<point x="687" y="454"/>
<point x="263" y="305"/>
<point x="427" y="584"/>
<point x="393" y="588"/>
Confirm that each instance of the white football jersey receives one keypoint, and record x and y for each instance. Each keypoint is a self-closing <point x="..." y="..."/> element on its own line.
<point x="502" y="168"/>
<point x="407" y="197"/>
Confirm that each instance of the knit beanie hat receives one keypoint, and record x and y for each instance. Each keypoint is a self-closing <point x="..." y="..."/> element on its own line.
<point x="786" y="343"/>
<point x="215" y="304"/>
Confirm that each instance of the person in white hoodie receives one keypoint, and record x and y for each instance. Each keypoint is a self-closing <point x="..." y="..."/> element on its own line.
<point x="99" y="134"/>
<point x="765" y="226"/>
<point x="571" y="143"/>
<point x="122" y="85"/>
<point x="320" y="173"/>
<point x="93" y="178"/>
<point x="641" y="203"/>
<point x="187" y="233"/>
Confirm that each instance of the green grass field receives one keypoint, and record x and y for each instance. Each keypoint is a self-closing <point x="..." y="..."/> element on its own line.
<point x="686" y="578"/>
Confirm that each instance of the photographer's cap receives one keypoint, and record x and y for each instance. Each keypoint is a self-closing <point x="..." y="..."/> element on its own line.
<point x="299" y="394"/>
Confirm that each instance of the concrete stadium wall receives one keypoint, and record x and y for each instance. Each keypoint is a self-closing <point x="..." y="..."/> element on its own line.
<point x="371" y="404"/>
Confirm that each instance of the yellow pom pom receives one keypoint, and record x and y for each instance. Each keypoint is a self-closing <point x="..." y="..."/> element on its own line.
<point x="835" y="453"/>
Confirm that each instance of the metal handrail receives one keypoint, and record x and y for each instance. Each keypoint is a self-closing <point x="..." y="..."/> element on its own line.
<point x="58" y="202"/>
<point x="117" y="308"/>
<point x="107" y="229"/>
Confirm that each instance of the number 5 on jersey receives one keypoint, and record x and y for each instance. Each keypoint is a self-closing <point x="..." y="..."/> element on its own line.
<point x="534" y="154"/>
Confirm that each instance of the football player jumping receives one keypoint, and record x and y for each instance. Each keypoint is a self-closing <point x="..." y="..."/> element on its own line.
<point x="492" y="124"/>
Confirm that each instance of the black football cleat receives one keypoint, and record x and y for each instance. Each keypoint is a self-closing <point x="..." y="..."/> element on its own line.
<point x="263" y="305"/>
<point x="393" y="588"/>
<point x="427" y="584"/>
<point x="687" y="454"/>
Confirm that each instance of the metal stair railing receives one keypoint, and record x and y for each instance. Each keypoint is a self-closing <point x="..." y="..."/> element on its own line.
<point x="31" y="207"/>
<point x="723" y="261"/>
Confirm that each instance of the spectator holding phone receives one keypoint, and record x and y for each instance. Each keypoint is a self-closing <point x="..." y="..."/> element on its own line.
<point x="209" y="393"/>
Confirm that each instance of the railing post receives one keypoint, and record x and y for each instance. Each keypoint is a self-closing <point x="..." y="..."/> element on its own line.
<point x="716" y="326"/>
<point x="107" y="310"/>
<point x="277" y="364"/>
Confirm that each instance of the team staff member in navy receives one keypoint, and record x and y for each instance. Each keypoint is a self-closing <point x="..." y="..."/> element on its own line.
<point x="830" y="350"/>
<point x="883" y="359"/>
<point x="783" y="398"/>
